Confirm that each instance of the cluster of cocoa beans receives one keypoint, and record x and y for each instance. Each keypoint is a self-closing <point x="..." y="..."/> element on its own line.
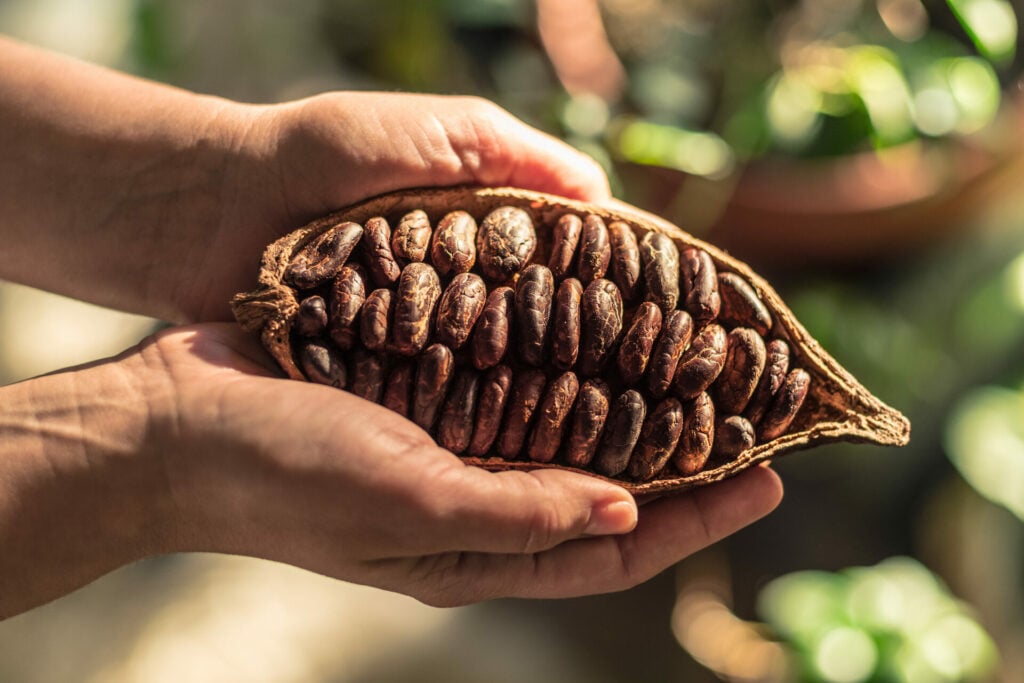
<point x="605" y="350"/>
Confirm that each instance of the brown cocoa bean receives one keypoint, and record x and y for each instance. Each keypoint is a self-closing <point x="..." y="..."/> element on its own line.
<point x="398" y="389"/>
<point x="701" y="363"/>
<point x="638" y="342"/>
<point x="602" y="325"/>
<point x="676" y="331"/>
<point x="535" y="290"/>
<point x="658" y="438"/>
<point x="367" y="374"/>
<point x="453" y="249"/>
<point x="455" y="429"/>
<point x="505" y="242"/>
<point x="322" y="364"/>
<point x="433" y="376"/>
<point x="497" y="384"/>
<point x="744" y="362"/>
<point x="565" y="328"/>
<point x="775" y="368"/>
<point x="733" y="435"/>
<point x="660" y="259"/>
<point x="565" y="237"/>
<point x="592" y="404"/>
<point x="414" y="305"/>
<point x="460" y="306"/>
<point x="621" y="431"/>
<point x="312" y="317"/>
<point x="493" y="327"/>
<point x="698" y="435"/>
<point x="348" y="292"/>
<point x="625" y="259"/>
<point x="527" y="387"/>
<point x="375" y="319"/>
<point x="741" y="307"/>
<point x="595" y="250"/>
<point x="376" y="246"/>
<point x="785" y="405"/>
<point x="552" y="415"/>
<point x="700" y="282"/>
<point x="319" y="260"/>
<point x="411" y="237"/>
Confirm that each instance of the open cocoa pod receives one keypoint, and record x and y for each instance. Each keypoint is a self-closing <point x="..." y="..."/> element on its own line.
<point x="524" y="330"/>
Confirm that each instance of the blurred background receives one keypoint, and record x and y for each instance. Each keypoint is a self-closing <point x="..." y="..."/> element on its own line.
<point x="864" y="155"/>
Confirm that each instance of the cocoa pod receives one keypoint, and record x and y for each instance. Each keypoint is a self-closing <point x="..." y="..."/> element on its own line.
<point x="505" y="243"/>
<point x="411" y="237"/>
<point x="319" y="260"/>
<point x="460" y="306"/>
<point x="453" y="249"/>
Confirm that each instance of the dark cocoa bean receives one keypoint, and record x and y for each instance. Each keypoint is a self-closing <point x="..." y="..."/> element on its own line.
<point x="319" y="260"/>
<point x="595" y="250"/>
<point x="414" y="305"/>
<point x="433" y="376"/>
<point x="602" y="325"/>
<point x="375" y="319"/>
<point x="701" y="363"/>
<point x="376" y="246"/>
<point x="638" y="342"/>
<point x="698" y="435"/>
<point x="455" y="429"/>
<point x="592" y="403"/>
<point x="785" y="405"/>
<point x="453" y="249"/>
<point x="535" y="290"/>
<point x="733" y="435"/>
<point x="658" y="438"/>
<point x="398" y="389"/>
<point x="505" y="242"/>
<point x="411" y="237"/>
<point x="322" y="364"/>
<point x="565" y="238"/>
<point x="493" y="327"/>
<point x="620" y="435"/>
<point x="552" y="417"/>
<point x="676" y="331"/>
<point x="625" y="259"/>
<point x="527" y="387"/>
<point x="744" y="362"/>
<point x="367" y="374"/>
<point x="348" y="292"/>
<point x="741" y="307"/>
<point x="660" y="259"/>
<point x="460" y="306"/>
<point x="775" y="368"/>
<point x="700" y="282"/>
<point x="312" y="317"/>
<point x="565" y="328"/>
<point x="497" y="384"/>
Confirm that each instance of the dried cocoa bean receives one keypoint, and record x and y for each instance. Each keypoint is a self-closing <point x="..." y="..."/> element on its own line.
<point x="565" y="338"/>
<point x="595" y="250"/>
<point x="592" y="404"/>
<point x="312" y="317"/>
<point x="676" y="331"/>
<point x="493" y="327"/>
<point x="411" y="238"/>
<point x="505" y="243"/>
<point x="602" y="325"/>
<point x="785" y="405"/>
<point x="376" y="246"/>
<point x="322" y="364"/>
<point x="534" y="293"/>
<point x="621" y="431"/>
<point x="566" y="237"/>
<point x="319" y="260"/>
<point x="549" y="425"/>
<point x="638" y="342"/>
<point x="453" y="250"/>
<point x="348" y="292"/>
<point x="700" y="282"/>
<point x="733" y="435"/>
<point x="698" y="435"/>
<point x="414" y="305"/>
<point x="527" y="387"/>
<point x="658" y="438"/>
<point x="375" y="319"/>
<point x="461" y="304"/>
<point x="660" y="259"/>
<point x="741" y="307"/>
<point x="367" y="375"/>
<point x="455" y="429"/>
<point x="625" y="259"/>
<point x="701" y="363"/>
<point x="398" y="389"/>
<point x="775" y="368"/>
<point x="497" y="384"/>
<point x="433" y="376"/>
<point x="744" y="362"/>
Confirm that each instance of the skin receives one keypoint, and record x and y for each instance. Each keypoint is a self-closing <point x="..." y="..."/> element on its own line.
<point x="154" y="200"/>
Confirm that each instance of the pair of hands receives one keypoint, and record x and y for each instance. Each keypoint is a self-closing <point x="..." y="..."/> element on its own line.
<point x="191" y="441"/>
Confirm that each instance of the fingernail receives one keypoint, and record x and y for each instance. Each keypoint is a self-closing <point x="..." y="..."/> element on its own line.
<point x="617" y="517"/>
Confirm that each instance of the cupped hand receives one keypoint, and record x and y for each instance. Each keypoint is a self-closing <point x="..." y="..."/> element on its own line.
<point x="318" y="478"/>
